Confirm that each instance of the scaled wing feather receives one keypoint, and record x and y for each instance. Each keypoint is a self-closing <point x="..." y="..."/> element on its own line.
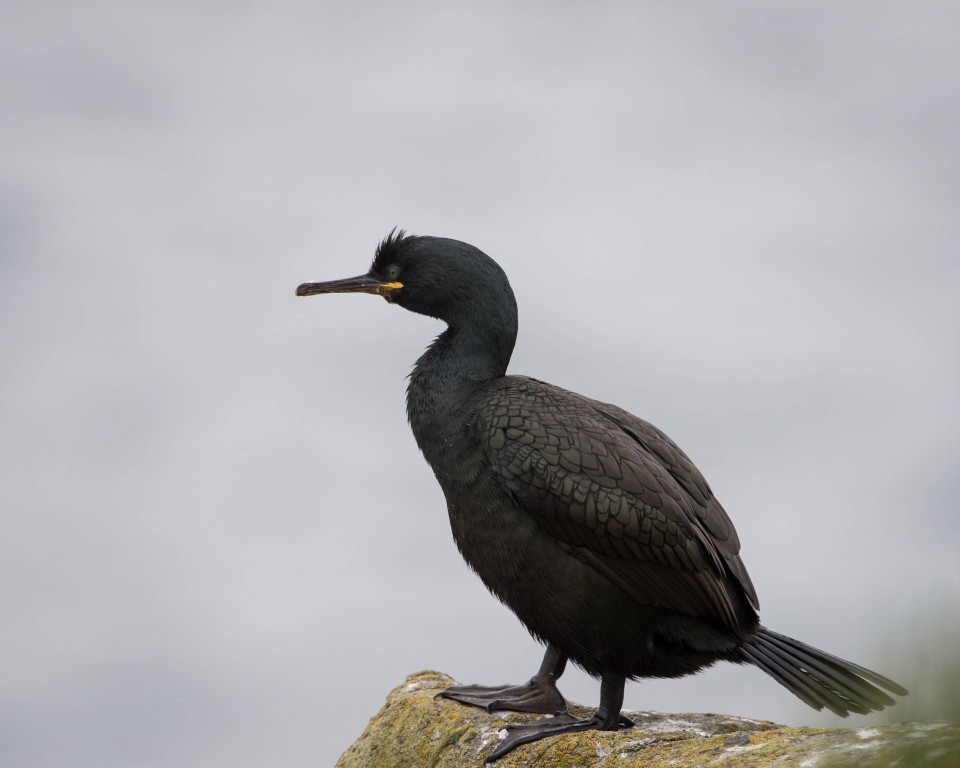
<point x="619" y="494"/>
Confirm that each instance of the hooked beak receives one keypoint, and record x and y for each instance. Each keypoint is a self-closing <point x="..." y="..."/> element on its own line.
<point x="360" y="284"/>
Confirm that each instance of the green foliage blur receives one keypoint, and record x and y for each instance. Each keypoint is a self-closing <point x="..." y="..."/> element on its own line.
<point x="925" y="657"/>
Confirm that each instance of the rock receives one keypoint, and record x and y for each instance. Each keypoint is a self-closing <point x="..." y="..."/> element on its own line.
<point x="415" y="730"/>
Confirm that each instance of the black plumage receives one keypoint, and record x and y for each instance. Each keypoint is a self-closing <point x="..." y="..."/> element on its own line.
<point x="588" y="522"/>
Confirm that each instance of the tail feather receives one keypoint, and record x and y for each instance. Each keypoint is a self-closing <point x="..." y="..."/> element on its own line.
<point x="798" y="681"/>
<point x="818" y="678"/>
<point x="835" y="672"/>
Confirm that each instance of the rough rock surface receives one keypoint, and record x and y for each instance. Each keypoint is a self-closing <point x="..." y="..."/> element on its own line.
<point x="415" y="730"/>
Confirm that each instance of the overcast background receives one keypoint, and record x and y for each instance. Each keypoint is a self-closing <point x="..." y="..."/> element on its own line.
<point x="220" y="545"/>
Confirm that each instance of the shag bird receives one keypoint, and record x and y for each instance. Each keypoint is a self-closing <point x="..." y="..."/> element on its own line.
<point x="591" y="524"/>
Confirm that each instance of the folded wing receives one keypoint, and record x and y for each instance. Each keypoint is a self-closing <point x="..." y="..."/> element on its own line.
<point x="620" y="495"/>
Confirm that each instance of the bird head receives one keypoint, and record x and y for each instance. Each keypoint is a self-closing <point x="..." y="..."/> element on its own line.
<point x="434" y="276"/>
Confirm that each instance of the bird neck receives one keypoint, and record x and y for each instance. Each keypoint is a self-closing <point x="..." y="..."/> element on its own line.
<point x="458" y="362"/>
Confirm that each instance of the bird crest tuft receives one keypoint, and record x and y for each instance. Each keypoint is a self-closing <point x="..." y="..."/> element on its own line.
<point x="389" y="248"/>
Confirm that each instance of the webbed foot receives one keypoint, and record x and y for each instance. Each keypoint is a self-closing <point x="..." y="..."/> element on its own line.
<point x="525" y="733"/>
<point x="539" y="694"/>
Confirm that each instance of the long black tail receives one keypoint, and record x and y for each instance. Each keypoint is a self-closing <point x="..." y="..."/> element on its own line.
<point x="820" y="679"/>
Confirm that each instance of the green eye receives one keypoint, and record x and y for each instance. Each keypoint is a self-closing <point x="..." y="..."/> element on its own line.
<point x="393" y="272"/>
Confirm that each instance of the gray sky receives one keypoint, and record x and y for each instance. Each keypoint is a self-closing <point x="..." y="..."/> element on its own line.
<point x="220" y="544"/>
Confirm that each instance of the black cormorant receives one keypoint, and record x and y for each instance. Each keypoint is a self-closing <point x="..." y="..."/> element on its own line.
<point x="589" y="523"/>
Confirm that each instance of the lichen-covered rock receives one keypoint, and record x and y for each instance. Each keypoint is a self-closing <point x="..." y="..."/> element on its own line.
<point x="415" y="730"/>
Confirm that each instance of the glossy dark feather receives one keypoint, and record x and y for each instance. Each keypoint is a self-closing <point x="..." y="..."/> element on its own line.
<point x="621" y="494"/>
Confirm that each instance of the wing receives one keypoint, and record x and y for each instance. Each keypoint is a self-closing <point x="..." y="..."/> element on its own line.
<point x="619" y="494"/>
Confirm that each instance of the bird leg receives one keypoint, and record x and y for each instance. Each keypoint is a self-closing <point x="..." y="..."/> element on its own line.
<point x="606" y="718"/>
<point x="539" y="694"/>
